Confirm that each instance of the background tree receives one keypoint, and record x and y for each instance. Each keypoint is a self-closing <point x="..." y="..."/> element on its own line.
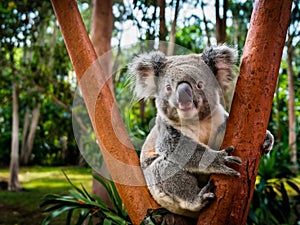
<point x="221" y="27"/>
<point x="102" y="27"/>
<point x="14" y="184"/>
<point x="292" y="33"/>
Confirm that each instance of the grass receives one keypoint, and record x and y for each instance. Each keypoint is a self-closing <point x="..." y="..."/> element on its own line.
<point x="22" y="208"/>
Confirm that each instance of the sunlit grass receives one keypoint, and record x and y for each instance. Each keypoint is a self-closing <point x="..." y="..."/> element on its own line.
<point x="19" y="207"/>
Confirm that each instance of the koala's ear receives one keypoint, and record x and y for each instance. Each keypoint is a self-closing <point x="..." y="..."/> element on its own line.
<point x="221" y="60"/>
<point x="145" y="69"/>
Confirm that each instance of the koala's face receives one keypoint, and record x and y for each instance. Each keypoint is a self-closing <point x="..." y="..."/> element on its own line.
<point x="185" y="87"/>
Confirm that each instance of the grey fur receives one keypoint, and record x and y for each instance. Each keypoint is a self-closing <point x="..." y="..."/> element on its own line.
<point x="182" y="149"/>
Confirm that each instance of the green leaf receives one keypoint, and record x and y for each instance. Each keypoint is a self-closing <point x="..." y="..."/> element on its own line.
<point x="69" y="217"/>
<point x="56" y="213"/>
<point x="73" y="185"/>
<point x="82" y="216"/>
<point x="107" y="222"/>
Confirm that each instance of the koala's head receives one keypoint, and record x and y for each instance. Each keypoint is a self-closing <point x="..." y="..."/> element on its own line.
<point x="186" y="86"/>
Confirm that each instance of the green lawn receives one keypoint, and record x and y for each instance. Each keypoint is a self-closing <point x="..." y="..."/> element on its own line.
<point x="22" y="208"/>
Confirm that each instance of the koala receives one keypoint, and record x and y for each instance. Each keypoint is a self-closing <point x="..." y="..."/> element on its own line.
<point x="182" y="149"/>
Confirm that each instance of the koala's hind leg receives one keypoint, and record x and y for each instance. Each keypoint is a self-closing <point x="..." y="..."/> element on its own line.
<point x="204" y="197"/>
<point x="187" y="193"/>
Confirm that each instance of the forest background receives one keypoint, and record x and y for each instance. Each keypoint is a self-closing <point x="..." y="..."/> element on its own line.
<point x="38" y="85"/>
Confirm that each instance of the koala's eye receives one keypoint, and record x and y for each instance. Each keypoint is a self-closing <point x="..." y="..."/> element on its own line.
<point x="168" y="88"/>
<point x="200" y="85"/>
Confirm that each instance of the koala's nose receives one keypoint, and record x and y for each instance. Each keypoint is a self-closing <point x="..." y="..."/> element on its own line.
<point x="184" y="93"/>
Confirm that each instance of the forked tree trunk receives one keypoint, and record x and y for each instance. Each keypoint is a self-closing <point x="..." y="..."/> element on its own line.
<point x="250" y="111"/>
<point x="14" y="184"/>
<point x="29" y="130"/>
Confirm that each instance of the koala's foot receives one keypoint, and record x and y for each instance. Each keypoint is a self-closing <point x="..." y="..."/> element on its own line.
<point x="221" y="159"/>
<point x="268" y="142"/>
<point x="204" y="197"/>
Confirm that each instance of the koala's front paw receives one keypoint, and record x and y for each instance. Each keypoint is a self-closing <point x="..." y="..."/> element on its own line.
<point x="268" y="142"/>
<point x="222" y="158"/>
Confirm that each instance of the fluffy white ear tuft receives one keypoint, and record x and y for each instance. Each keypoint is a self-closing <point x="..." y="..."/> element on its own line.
<point x="146" y="69"/>
<point x="221" y="60"/>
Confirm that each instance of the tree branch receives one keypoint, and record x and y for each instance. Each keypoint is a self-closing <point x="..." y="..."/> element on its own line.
<point x="251" y="107"/>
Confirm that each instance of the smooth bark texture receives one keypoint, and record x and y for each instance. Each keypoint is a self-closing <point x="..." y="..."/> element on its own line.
<point x="117" y="150"/>
<point x="249" y="115"/>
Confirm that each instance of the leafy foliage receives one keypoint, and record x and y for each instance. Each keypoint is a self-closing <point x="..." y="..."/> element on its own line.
<point x="276" y="195"/>
<point x="88" y="206"/>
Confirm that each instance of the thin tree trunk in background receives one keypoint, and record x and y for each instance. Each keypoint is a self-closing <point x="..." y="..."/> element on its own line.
<point x="29" y="135"/>
<point x="24" y="133"/>
<point x="163" y="31"/>
<point x="14" y="184"/>
<point x="102" y="26"/>
<point x="249" y="114"/>
<point x="291" y="105"/>
<point x="220" y="29"/>
<point x="205" y="24"/>
<point x="171" y="46"/>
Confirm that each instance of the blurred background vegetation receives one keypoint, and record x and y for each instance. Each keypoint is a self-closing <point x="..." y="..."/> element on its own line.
<point x="36" y="76"/>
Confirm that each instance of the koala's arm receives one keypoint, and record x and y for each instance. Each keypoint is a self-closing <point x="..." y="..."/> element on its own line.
<point x="192" y="156"/>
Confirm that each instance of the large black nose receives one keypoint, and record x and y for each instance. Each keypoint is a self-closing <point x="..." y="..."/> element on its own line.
<point x="184" y="93"/>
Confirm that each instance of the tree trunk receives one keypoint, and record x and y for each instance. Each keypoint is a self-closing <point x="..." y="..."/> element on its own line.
<point x="102" y="25"/>
<point x="291" y="105"/>
<point x="249" y="115"/>
<point x="117" y="150"/>
<point x="171" y="46"/>
<point x="220" y="29"/>
<point x="163" y="31"/>
<point x="24" y="133"/>
<point x="14" y="184"/>
<point x="29" y="135"/>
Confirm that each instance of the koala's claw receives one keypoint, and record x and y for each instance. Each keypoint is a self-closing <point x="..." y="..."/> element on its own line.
<point x="229" y="149"/>
<point x="206" y="193"/>
<point x="233" y="159"/>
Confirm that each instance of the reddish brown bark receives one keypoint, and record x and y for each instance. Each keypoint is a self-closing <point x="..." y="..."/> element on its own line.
<point x="117" y="150"/>
<point x="250" y="110"/>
